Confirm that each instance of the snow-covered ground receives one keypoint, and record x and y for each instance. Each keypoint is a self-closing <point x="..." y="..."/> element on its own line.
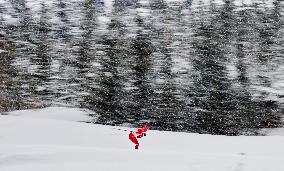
<point x="51" y="140"/>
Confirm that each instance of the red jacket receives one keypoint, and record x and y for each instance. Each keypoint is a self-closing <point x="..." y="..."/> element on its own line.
<point x="141" y="131"/>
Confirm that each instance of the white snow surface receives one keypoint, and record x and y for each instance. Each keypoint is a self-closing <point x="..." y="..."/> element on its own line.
<point x="55" y="113"/>
<point x="48" y="140"/>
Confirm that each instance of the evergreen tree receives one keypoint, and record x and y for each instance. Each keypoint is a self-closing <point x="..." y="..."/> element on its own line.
<point x="213" y="98"/>
<point x="10" y="98"/>
<point x="106" y="96"/>
<point x="167" y="109"/>
<point x="10" y="83"/>
<point x="41" y="78"/>
<point x="84" y="76"/>
<point x="141" y="63"/>
<point x="268" y="110"/>
<point x="62" y="36"/>
<point x="23" y="31"/>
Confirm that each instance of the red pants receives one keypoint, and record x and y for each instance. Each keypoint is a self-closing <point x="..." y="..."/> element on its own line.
<point x="134" y="140"/>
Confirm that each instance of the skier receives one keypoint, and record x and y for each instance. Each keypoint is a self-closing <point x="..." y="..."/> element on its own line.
<point x="139" y="133"/>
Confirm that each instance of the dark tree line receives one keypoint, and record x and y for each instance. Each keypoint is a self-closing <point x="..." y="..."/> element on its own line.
<point x="207" y="68"/>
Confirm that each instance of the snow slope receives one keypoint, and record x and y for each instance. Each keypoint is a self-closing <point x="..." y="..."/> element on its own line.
<point x="57" y="113"/>
<point x="48" y="142"/>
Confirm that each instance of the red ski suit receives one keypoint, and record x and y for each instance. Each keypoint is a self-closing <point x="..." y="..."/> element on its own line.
<point x="138" y="134"/>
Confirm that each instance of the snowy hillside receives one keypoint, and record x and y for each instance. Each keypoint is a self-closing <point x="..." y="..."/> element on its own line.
<point x="48" y="140"/>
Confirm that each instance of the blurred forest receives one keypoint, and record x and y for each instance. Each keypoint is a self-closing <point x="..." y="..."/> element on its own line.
<point x="206" y="66"/>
